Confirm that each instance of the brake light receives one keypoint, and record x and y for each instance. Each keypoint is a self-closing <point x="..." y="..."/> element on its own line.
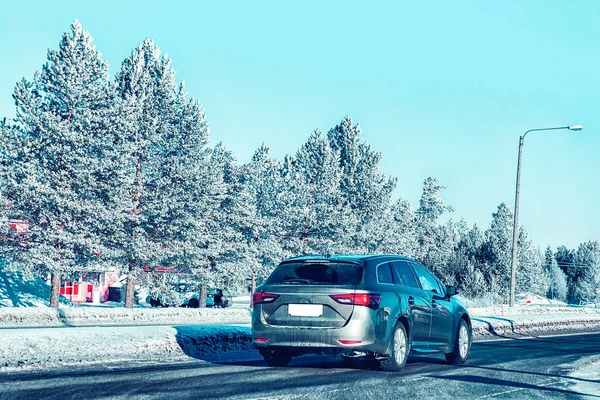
<point x="258" y="298"/>
<point x="344" y="341"/>
<point x="261" y="340"/>
<point x="358" y="299"/>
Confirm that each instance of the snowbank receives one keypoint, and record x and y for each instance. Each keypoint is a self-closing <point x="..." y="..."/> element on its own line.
<point x="47" y="347"/>
<point x="15" y="291"/>
<point x="103" y="316"/>
<point x="532" y="310"/>
<point x="528" y="325"/>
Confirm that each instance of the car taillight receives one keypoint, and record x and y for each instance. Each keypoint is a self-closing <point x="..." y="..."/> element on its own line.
<point x="258" y="298"/>
<point x="358" y="299"/>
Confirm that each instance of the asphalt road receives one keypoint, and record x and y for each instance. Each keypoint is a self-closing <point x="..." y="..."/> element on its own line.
<point x="521" y="368"/>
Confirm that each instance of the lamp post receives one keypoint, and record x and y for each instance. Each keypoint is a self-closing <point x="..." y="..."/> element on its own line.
<point x="513" y="262"/>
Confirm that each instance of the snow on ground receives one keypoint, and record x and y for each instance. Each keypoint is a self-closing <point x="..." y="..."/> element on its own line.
<point x="15" y="291"/>
<point x="586" y="376"/>
<point x="107" y="316"/>
<point x="533" y="325"/>
<point x="35" y="348"/>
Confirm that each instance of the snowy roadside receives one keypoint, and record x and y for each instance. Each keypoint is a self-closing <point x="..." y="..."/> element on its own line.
<point x="28" y="317"/>
<point x="43" y="348"/>
<point x="586" y="374"/>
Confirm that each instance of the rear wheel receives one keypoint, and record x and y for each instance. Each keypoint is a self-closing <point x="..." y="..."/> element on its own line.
<point x="193" y="303"/>
<point x="400" y="348"/>
<point x="275" y="358"/>
<point x="462" y="344"/>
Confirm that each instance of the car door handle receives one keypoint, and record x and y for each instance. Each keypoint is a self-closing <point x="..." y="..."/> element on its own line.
<point x="411" y="300"/>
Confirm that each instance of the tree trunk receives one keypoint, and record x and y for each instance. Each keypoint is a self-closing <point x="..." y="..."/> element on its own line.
<point x="130" y="287"/>
<point x="54" y="289"/>
<point x="203" y="296"/>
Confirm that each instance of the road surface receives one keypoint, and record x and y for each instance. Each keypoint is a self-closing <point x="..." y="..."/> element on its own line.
<point x="522" y="368"/>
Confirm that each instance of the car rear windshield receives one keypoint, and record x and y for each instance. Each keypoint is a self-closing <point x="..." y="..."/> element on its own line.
<point x="315" y="273"/>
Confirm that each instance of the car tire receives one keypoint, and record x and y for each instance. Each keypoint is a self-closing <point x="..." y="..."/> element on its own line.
<point x="462" y="344"/>
<point x="193" y="303"/>
<point x="400" y="345"/>
<point x="154" y="303"/>
<point x="275" y="358"/>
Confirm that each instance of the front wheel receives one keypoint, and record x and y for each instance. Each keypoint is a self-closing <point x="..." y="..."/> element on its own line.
<point x="462" y="344"/>
<point x="275" y="358"/>
<point x="400" y="348"/>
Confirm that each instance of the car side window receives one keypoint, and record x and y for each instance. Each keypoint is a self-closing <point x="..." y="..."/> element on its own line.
<point x="403" y="274"/>
<point x="428" y="282"/>
<point x="384" y="273"/>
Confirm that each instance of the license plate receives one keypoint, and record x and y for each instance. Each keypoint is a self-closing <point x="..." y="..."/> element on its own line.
<point x="305" y="310"/>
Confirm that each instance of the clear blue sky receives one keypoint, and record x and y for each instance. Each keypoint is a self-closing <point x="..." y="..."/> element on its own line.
<point x="442" y="88"/>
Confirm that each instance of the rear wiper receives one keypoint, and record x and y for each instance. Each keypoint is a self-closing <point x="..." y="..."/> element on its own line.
<point x="296" y="280"/>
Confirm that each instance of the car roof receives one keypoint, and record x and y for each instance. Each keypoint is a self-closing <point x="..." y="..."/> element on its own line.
<point x="347" y="257"/>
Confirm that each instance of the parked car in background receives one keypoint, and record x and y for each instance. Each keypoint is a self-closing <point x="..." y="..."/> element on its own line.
<point x="383" y="307"/>
<point x="185" y="294"/>
<point x="215" y="297"/>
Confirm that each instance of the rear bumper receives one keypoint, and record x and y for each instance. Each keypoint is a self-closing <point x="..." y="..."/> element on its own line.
<point x="360" y="331"/>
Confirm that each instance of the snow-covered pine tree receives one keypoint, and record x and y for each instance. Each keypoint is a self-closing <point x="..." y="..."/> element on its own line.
<point x="464" y="265"/>
<point x="442" y="250"/>
<point x="170" y="193"/>
<point x="564" y="258"/>
<point x="401" y="230"/>
<point x="365" y="190"/>
<point x="293" y="202"/>
<point x="530" y="275"/>
<point x="61" y="163"/>
<point x="265" y="235"/>
<point x="431" y="207"/>
<point x="327" y="221"/>
<point x="496" y="250"/>
<point x="231" y="249"/>
<point x="557" y="281"/>
<point x="587" y="259"/>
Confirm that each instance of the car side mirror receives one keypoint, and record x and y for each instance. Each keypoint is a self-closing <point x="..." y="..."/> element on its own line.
<point x="452" y="290"/>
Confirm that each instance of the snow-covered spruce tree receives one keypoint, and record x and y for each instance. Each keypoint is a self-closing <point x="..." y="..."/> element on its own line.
<point x="365" y="190"/>
<point x="431" y="236"/>
<point x="496" y="250"/>
<point x="293" y="204"/>
<point x="400" y="230"/>
<point x="587" y="260"/>
<point x="61" y="165"/>
<point x="232" y="253"/>
<point x="442" y="250"/>
<point x="166" y="136"/>
<point x="564" y="258"/>
<point x="557" y="281"/>
<point x="530" y="276"/>
<point x="327" y="221"/>
<point x="264" y="234"/>
<point x="185" y="189"/>
<point x="464" y="265"/>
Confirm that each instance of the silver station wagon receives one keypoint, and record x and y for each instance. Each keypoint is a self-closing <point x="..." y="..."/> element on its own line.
<point x="379" y="306"/>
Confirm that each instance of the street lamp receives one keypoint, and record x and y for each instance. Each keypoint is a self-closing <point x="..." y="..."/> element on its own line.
<point x="516" y="216"/>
